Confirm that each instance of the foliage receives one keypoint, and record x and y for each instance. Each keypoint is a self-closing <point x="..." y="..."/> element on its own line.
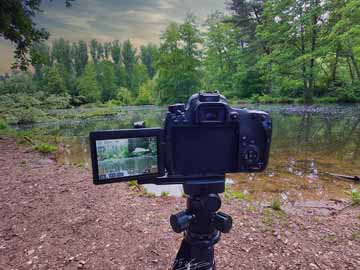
<point x="19" y="82"/>
<point x="124" y="96"/>
<point x="275" y="51"/>
<point x="179" y="62"/>
<point x="53" y="82"/>
<point x="146" y="93"/>
<point x="87" y="85"/>
<point x="355" y="196"/>
<point x="130" y="60"/>
<point x="149" y="56"/>
<point x="45" y="148"/>
<point x="18" y="26"/>
<point x="106" y="80"/>
<point x="22" y="108"/>
<point x="236" y="195"/>
<point x="24" y="116"/>
<point x="3" y="124"/>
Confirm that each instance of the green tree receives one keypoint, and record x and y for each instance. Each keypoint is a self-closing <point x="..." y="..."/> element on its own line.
<point x="106" y="79"/>
<point x="87" y="84"/>
<point x="61" y="53"/>
<point x="53" y="83"/>
<point x="17" y="25"/>
<point x="130" y="59"/>
<point x="107" y="50"/>
<point x="19" y="82"/>
<point x="116" y="52"/>
<point x="179" y="62"/>
<point x="80" y="56"/>
<point x="224" y="61"/>
<point x="94" y="50"/>
<point x="40" y="57"/>
<point x="146" y="93"/>
<point x="149" y="57"/>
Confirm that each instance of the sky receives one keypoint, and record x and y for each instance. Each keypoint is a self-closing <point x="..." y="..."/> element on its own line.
<point x="141" y="21"/>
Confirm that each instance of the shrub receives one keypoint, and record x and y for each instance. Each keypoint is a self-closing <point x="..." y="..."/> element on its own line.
<point x="45" y="148"/>
<point x="23" y="116"/>
<point x="3" y="124"/>
<point x="57" y="102"/>
<point x="276" y="204"/>
<point x="124" y="96"/>
<point x="236" y="195"/>
<point x="355" y="196"/>
<point x="145" y="94"/>
<point x="348" y="95"/>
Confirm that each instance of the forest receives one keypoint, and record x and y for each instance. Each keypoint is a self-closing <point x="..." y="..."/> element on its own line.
<point x="274" y="51"/>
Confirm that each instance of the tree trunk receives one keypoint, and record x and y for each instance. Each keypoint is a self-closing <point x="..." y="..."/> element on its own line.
<point x="302" y="53"/>
<point x="309" y="94"/>
<point x="334" y="67"/>
<point x="350" y="69"/>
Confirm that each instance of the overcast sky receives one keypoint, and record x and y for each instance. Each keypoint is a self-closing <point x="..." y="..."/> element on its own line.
<point x="141" y="21"/>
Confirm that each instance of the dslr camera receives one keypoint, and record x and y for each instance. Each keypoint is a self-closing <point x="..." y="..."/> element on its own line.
<point x="203" y="138"/>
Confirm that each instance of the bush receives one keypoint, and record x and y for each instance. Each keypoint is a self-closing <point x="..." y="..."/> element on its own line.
<point x="355" y="196"/>
<point x="267" y="99"/>
<point x="145" y="94"/>
<point x="24" y="116"/>
<point x="57" y="102"/>
<point x="3" y="124"/>
<point x="348" y="95"/>
<point x="45" y="148"/>
<point x="326" y="100"/>
<point x="124" y="97"/>
<point x="276" y="204"/>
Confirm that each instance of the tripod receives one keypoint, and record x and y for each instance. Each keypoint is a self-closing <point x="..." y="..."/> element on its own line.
<point x="201" y="225"/>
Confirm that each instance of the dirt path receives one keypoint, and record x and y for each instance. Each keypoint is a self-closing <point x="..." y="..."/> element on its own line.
<point x="52" y="217"/>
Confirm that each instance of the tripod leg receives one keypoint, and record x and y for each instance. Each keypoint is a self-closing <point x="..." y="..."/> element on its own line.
<point x="182" y="257"/>
<point x="191" y="257"/>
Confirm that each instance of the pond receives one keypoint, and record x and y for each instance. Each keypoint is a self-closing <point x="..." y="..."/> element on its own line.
<point x="308" y="143"/>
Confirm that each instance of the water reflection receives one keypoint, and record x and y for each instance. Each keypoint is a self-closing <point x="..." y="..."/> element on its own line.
<point x="307" y="143"/>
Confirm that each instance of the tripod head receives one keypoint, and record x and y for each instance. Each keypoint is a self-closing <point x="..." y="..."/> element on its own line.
<point x="201" y="223"/>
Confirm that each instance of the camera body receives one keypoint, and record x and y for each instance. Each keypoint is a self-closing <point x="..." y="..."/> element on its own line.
<point x="203" y="138"/>
<point x="206" y="136"/>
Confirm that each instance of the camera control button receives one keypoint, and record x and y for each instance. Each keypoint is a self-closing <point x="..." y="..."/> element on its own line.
<point x="234" y="116"/>
<point x="244" y="138"/>
<point x="251" y="154"/>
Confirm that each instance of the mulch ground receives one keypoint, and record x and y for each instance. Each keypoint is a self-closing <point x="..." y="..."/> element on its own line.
<point x="52" y="217"/>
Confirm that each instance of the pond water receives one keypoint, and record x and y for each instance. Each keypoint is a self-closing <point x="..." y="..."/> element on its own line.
<point x="308" y="143"/>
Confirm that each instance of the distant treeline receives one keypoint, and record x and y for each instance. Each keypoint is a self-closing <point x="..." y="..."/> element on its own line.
<point x="265" y="51"/>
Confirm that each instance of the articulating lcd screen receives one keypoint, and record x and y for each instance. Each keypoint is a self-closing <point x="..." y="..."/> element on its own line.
<point x="127" y="157"/>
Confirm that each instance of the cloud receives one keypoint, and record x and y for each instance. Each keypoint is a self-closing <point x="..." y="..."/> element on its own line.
<point x="142" y="21"/>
